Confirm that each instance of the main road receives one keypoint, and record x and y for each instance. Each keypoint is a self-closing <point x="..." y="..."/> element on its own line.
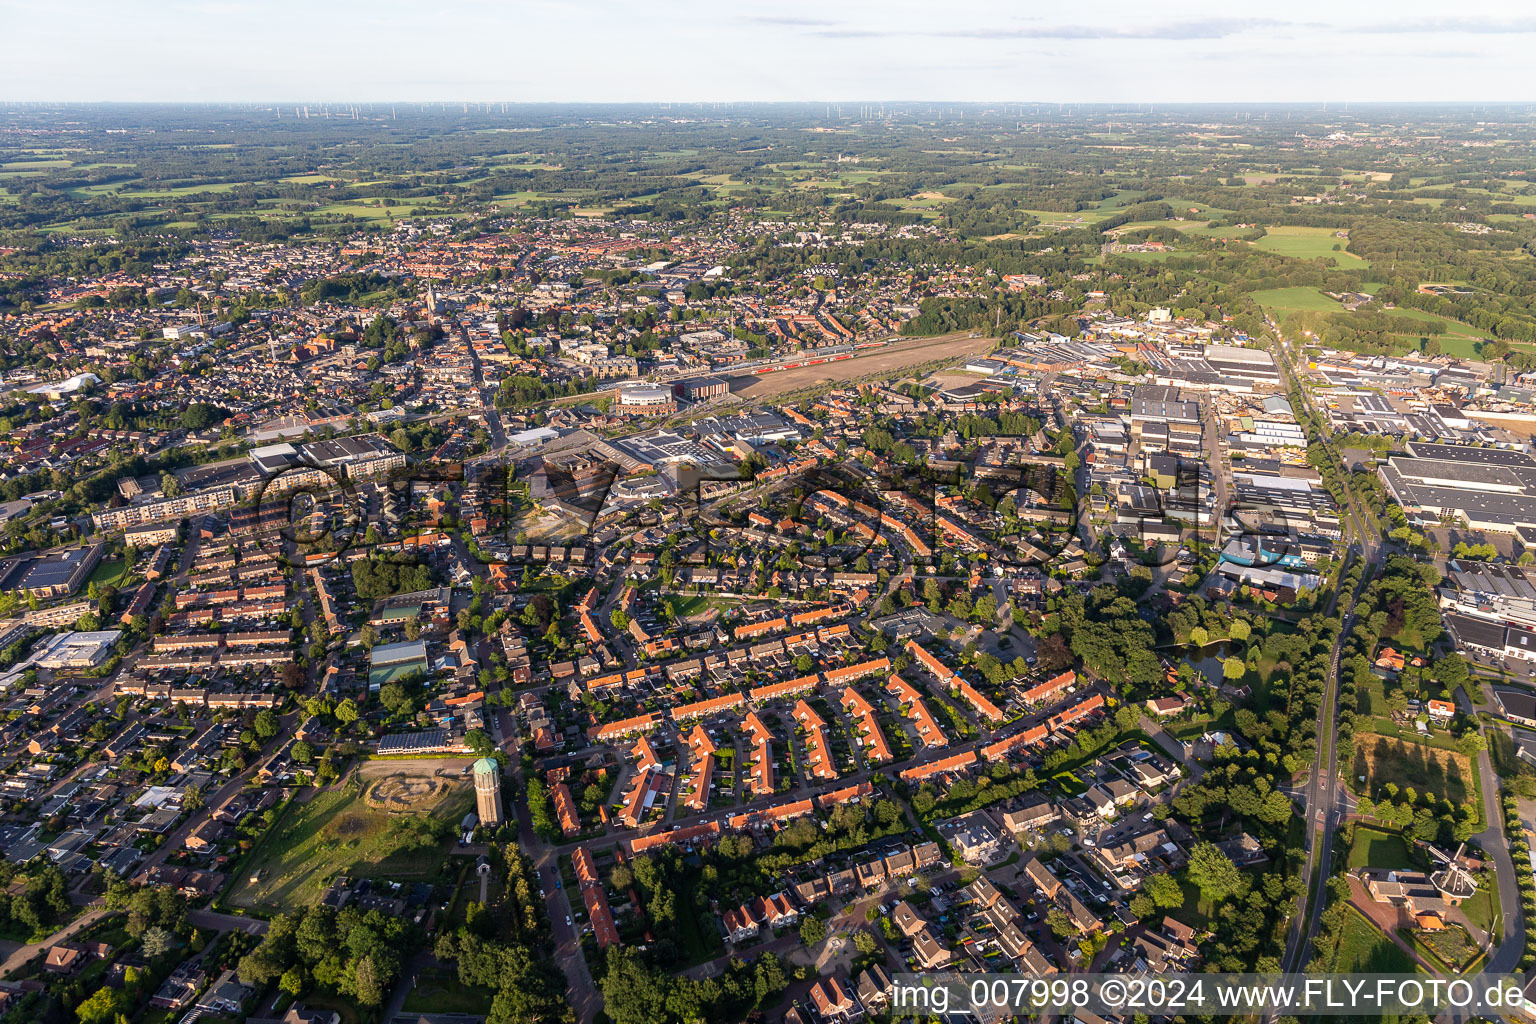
<point x="1323" y="798"/>
<point x="1325" y="809"/>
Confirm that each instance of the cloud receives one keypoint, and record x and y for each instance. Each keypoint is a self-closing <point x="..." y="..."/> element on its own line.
<point x="788" y="21"/>
<point x="1185" y="30"/>
<point x="1446" y="26"/>
<point x="1210" y="28"/>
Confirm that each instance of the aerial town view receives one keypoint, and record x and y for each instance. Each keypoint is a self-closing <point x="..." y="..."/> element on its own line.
<point x="620" y="560"/>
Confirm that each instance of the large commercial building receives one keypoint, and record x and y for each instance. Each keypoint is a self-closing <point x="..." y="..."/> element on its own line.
<point x="645" y="400"/>
<point x="1487" y="488"/>
<point x="700" y="388"/>
<point x="1161" y="405"/>
<point x="362" y="456"/>
<point x="287" y="467"/>
<point x="1491" y="591"/>
<point x="488" y="791"/>
<point x="1249" y="363"/>
<point x="1491" y="608"/>
<point x="58" y="574"/>
<point x="389" y="662"/>
<point x="75" y="650"/>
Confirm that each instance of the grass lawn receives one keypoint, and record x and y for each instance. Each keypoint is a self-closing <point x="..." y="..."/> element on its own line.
<point x="336" y="833"/>
<point x="1483" y="909"/>
<point x="691" y="605"/>
<point x="1374" y="848"/>
<point x="1310" y="243"/>
<point x="1197" y="912"/>
<point x="108" y="571"/>
<point x="1304" y="300"/>
<point x="1069" y="784"/>
<point x="1364" y="949"/>
<point x="1372" y="696"/>
<point x="439" y="990"/>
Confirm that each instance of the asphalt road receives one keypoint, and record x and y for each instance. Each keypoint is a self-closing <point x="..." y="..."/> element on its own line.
<point x="1505" y="959"/>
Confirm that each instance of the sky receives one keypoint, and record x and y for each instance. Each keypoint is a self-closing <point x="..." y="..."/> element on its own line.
<point x="755" y="50"/>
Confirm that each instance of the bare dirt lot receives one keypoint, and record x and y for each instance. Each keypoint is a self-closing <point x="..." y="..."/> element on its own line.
<point x="889" y="359"/>
<point x="412" y="786"/>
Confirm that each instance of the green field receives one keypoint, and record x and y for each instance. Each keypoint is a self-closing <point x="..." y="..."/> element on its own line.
<point x="337" y="833"/>
<point x="1458" y="339"/>
<point x="1484" y="909"/>
<point x="1364" y="949"/>
<point x="1374" y="848"/>
<point x="110" y="570"/>
<point x="1309" y="244"/>
<point x="439" y="990"/>
<point x="1304" y="300"/>
<point x="1197" y="912"/>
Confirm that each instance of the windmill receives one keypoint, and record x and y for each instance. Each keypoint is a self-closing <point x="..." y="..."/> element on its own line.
<point x="1454" y="881"/>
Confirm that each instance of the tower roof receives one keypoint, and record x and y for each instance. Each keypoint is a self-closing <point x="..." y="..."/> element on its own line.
<point x="486" y="766"/>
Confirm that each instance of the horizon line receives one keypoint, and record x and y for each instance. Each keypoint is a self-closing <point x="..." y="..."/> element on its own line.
<point x="1150" y="105"/>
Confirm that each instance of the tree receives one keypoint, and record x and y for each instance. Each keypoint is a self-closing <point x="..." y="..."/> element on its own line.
<point x="1164" y="892"/>
<point x="812" y="931"/>
<point x="864" y="942"/>
<point x="368" y="636"/>
<point x="1214" y="873"/>
<point x="102" y="1007"/>
<point x="266" y="724"/>
<point x="156" y="942"/>
<point x="392" y="695"/>
<point x="1233" y="668"/>
<point x="303" y="751"/>
<point x="631" y="993"/>
<point x="480" y="744"/>
<point x="1199" y="636"/>
<point x="346" y="712"/>
<point x="368" y="982"/>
